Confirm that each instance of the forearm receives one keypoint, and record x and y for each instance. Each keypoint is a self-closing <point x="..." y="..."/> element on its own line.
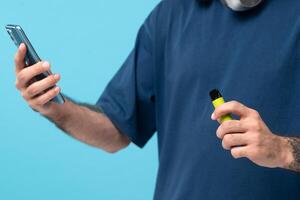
<point x="293" y="154"/>
<point x="83" y="122"/>
<point x="288" y="152"/>
<point x="87" y="124"/>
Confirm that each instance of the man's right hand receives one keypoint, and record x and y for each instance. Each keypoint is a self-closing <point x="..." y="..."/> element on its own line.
<point x="37" y="93"/>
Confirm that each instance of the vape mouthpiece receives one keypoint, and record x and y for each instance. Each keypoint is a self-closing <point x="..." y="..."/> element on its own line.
<point x="215" y="94"/>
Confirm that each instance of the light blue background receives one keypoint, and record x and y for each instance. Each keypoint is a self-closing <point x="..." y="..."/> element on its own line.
<point x="37" y="161"/>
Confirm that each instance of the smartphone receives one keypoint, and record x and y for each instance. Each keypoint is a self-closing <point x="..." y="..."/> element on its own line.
<point x="18" y="36"/>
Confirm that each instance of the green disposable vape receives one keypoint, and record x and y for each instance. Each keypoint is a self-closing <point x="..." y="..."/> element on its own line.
<point x="217" y="100"/>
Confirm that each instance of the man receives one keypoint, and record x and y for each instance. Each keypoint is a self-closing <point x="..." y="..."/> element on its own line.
<point x="184" y="50"/>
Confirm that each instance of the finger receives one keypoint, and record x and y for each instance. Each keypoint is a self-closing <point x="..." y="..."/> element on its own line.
<point x="40" y="86"/>
<point x="228" y="108"/>
<point x="239" y="152"/>
<point x="219" y="119"/>
<point x="45" y="98"/>
<point x="28" y="73"/>
<point x="231" y="126"/>
<point x="19" y="58"/>
<point x="234" y="140"/>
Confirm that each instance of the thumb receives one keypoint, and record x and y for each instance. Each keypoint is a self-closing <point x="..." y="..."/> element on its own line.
<point x="19" y="57"/>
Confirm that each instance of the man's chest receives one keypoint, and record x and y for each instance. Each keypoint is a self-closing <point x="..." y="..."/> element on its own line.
<point x="256" y="63"/>
<point x="233" y="53"/>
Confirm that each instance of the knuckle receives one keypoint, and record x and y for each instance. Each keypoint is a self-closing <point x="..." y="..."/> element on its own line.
<point x="53" y="92"/>
<point x="21" y="76"/>
<point x="218" y="134"/>
<point x="234" y="102"/>
<point x="232" y="105"/>
<point x="52" y="80"/>
<point x="24" y="95"/>
<point x="50" y="95"/>
<point x="258" y="126"/>
<point x="17" y="84"/>
<point x="225" y="143"/>
<point x="37" y="69"/>
<point x="254" y="125"/>
<point x="255" y="113"/>
<point x="253" y="153"/>
<point x="32" y="90"/>
<point x="16" y="59"/>
<point x="235" y="154"/>
<point x="217" y="110"/>
<point x="227" y="138"/>
<point x="31" y="104"/>
<point x="228" y="124"/>
<point x="39" y="102"/>
<point x="219" y="131"/>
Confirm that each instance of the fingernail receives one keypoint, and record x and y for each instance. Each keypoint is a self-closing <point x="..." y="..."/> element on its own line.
<point x="57" y="76"/>
<point x="213" y="116"/>
<point x="57" y="89"/>
<point x="21" y="46"/>
<point x="46" y="65"/>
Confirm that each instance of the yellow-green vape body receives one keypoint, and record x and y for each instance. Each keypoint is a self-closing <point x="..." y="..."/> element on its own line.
<point x="217" y="100"/>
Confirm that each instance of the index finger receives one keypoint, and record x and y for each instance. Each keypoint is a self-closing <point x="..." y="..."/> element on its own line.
<point x="19" y="58"/>
<point x="233" y="107"/>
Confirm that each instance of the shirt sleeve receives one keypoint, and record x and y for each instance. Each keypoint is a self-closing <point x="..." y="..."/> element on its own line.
<point x="129" y="98"/>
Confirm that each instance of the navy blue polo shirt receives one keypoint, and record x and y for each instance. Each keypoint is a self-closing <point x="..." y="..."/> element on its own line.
<point x="184" y="50"/>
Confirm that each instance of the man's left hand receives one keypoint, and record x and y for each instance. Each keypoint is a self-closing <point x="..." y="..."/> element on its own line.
<point x="250" y="137"/>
